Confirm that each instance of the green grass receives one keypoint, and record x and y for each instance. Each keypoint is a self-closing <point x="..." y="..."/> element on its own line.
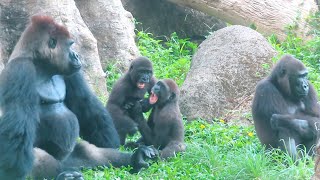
<point x="218" y="151"/>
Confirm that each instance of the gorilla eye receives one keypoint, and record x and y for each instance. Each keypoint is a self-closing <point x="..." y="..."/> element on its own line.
<point x="52" y="43"/>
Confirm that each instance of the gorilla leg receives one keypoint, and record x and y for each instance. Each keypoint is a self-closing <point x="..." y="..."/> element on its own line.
<point x="293" y="133"/>
<point x="287" y="142"/>
<point x="58" y="130"/>
<point x="125" y="126"/>
<point x="45" y="166"/>
<point x="171" y="149"/>
<point x="89" y="156"/>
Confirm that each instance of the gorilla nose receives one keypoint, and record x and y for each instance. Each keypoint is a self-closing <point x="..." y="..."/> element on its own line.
<point x="145" y="79"/>
<point x="74" y="55"/>
<point x="75" y="59"/>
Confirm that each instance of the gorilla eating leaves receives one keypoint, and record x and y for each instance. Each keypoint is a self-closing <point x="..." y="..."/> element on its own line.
<point x="130" y="88"/>
<point x="45" y="105"/>
<point x="285" y="109"/>
<point x="164" y="128"/>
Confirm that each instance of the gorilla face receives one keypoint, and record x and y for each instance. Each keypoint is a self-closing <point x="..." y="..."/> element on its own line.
<point x="299" y="84"/>
<point x="143" y="77"/>
<point x="161" y="93"/>
<point x="63" y="58"/>
<point x="141" y="72"/>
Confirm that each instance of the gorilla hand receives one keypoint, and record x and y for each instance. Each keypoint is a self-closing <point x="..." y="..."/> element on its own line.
<point x="128" y="105"/>
<point x="138" y="159"/>
<point x="145" y="104"/>
<point x="69" y="175"/>
<point x="136" y="112"/>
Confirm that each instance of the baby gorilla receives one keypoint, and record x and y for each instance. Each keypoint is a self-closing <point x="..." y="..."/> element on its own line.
<point x="164" y="128"/>
<point x="130" y="88"/>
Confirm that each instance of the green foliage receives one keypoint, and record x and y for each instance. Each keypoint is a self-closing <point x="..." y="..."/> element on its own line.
<point x="113" y="74"/>
<point x="218" y="151"/>
<point x="314" y="22"/>
<point x="171" y="59"/>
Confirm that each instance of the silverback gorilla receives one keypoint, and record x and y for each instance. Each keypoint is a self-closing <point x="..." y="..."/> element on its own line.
<point x="45" y="104"/>
<point x="285" y="109"/>
<point x="164" y="128"/>
<point x="131" y="87"/>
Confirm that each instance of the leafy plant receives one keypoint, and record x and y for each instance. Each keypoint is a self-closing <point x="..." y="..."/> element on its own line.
<point x="171" y="58"/>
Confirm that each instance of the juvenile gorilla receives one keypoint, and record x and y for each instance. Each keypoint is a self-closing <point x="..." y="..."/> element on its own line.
<point x="164" y="129"/>
<point x="43" y="100"/>
<point x="130" y="88"/>
<point x="285" y="109"/>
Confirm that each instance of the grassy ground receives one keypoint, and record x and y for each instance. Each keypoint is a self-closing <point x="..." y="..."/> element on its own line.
<point x="218" y="151"/>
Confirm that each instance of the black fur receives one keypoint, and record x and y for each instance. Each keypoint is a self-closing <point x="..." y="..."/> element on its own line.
<point x="282" y="117"/>
<point x="164" y="129"/>
<point x="126" y="92"/>
<point x="18" y="118"/>
<point x="96" y="125"/>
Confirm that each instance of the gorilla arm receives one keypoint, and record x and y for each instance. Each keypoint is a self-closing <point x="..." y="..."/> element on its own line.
<point x="146" y="132"/>
<point x="19" y="107"/>
<point x="95" y="122"/>
<point x="305" y="121"/>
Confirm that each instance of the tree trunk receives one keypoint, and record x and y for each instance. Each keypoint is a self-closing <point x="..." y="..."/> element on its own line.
<point x="269" y="16"/>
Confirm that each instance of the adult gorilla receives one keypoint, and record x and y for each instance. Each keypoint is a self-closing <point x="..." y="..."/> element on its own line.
<point x="285" y="109"/>
<point x="41" y="87"/>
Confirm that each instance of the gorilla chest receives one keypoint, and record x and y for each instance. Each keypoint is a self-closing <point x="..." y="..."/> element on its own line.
<point x="296" y="107"/>
<point x="52" y="91"/>
<point x="137" y="94"/>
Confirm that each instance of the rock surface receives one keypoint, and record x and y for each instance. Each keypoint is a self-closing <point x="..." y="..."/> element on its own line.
<point x="224" y="72"/>
<point x="113" y="27"/>
<point x="161" y="17"/>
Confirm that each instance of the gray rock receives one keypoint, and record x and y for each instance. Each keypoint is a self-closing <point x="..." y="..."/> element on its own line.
<point x="113" y="27"/>
<point x="161" y="17"/>
<point x="224" y="71"/>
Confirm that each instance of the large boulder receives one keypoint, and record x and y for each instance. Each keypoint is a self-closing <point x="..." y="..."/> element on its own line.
<point x="224" y="72"/>
<point x="113" y="27"/>
<point x="161" y="17"/>
<point x="15" y="15"/>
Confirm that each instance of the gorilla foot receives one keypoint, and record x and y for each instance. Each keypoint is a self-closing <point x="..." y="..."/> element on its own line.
<point x="70" y="175"/>
<point x="140" y="156"/>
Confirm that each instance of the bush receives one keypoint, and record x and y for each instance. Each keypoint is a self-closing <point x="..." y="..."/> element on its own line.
<point x="171" y="59"/>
